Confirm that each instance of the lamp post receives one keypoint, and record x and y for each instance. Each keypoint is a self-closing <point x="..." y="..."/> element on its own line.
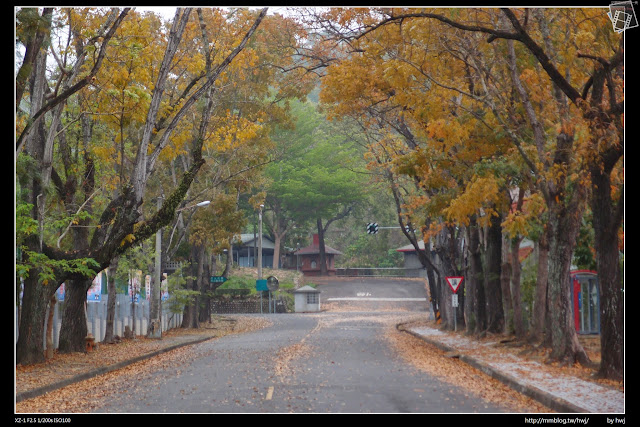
<point x="260" y="242"/>
<point x="154" y="329"/>
<point x="155" y="309"/>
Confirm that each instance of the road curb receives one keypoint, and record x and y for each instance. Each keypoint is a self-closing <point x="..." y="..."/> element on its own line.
<point x="553" y="402"/>
<point x="30" y="394"/>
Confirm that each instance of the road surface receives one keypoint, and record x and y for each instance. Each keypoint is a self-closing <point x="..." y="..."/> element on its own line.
<point x="337" y="361"/>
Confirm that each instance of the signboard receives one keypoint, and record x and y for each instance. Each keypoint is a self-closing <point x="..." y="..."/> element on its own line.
<point x="454" y="300"/>
<point x="95" y="291"/>
<point x="217" y="279"/>
<point x="372" y="228"/>
<point x="135" y="285"/>
<point x="261" y="285"/>
<point x="454" y="283"/>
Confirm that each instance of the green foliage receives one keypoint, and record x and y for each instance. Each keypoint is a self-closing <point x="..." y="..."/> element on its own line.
<point x="49" y="268"/>
<point x="372" y="251"/>
<point x="316" y="175"/>
<point x="139" y="257"/>
<point x="584" y="253"/>
<point x="237" y="286"/>
<point x="46" y="267"/>
<point x="528" y="283"/>
<point x="25" y="224"/>
<point x="179" y="297"/>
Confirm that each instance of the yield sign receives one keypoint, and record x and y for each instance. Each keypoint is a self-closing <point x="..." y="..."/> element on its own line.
<point x="454" y="283"/>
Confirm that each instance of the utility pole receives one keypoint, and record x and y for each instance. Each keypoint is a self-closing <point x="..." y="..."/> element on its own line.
<point x="260" y="243"/>
<point x="155" y="322"/>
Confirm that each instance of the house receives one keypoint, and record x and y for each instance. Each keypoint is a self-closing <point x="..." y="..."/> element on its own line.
<point x="310" y="258"/>
<point x="413" y="266"/>
<point x="245" y="250"/>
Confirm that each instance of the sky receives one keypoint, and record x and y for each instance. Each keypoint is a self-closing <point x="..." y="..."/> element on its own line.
<point x="168" y="12"/>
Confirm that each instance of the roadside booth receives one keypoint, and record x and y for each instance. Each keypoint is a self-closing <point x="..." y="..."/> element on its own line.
<point x="585" y="294"/>
<point x="307" y="299"/>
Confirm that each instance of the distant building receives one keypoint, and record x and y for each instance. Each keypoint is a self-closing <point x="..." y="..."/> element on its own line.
<point x="310" y="258"/>
<point x="413" y="266"/>
<point x="245" y="250"/>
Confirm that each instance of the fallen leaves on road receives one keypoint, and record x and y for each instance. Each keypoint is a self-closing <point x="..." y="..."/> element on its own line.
<point x="425" y="356"/>
<point x="449" y="369"/>
<point x="80" y="397"/>
<point x="287" y="354"/>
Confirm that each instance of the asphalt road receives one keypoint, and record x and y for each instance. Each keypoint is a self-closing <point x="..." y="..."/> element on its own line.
<point x="329" y="362"/>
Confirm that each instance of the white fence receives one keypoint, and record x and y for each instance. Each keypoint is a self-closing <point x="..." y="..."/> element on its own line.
<point x="97" y="318"/>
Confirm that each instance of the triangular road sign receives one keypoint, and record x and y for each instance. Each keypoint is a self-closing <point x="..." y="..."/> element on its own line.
<point x="454" y="283"/>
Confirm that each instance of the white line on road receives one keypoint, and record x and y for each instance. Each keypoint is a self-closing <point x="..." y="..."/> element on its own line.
<point x="269" y="393"/>
<point x="375" y="299"/>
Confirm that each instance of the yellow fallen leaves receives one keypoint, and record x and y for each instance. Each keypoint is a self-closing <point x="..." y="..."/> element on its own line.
<point x="80" y="397"/>
<point x="451" y="370"/>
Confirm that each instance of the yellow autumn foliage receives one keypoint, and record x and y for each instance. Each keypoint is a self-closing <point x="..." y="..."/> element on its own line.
<point x="479" y="194"/>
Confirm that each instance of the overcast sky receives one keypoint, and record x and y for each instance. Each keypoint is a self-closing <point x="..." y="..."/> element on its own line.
<point x="168" y="12"/>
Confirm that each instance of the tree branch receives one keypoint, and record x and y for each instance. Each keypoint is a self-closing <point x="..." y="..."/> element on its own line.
<point x="76" y="87"/>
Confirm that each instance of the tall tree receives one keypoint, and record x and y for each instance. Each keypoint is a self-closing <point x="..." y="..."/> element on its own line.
<point x="556" y="156"/>
<point x="121" y="223"/>
<point x="321" y="183"/>
<point x="282" y="191"/>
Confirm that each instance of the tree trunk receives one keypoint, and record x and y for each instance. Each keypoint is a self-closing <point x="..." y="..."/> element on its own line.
<point x="277" y="238"/>
<point x="475" y="282"/>
<point x="280" y="229"/>
<point x="606" y="225"/>
<point x="433" y="293"/>
<point x="111" y="301"/>
<point x="507" y="301"/>
<point x="154" y="328"/>
<point x="52" y="306"/>
<point x="322" y="256"/>
<point x="516" y="270"/>
<point x="493" y="290"/>
<point x="565" y="346"/>
<point x="74" y="317"/>
<point x="35" y="298"/>
<point x="190" y="318"/>
<point x="204" y="312"/>
<point x="228" y="264"/>
<point x="470" y="307"/>
<point x="134" y="293"/>
<point x="446" y="245"/>
<point x="36" y="295"/>
<point x="540" y="305"/>
<point x="446" y="310"/>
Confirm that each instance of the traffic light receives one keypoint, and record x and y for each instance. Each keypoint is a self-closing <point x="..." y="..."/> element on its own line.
<point x="372" y="228"/>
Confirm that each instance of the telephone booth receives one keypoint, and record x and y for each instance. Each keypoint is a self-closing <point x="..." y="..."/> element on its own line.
<point x="585" y="295"/>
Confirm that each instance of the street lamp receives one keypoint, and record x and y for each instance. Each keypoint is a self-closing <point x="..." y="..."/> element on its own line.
<point x="260" y="242"/>
<point x="197" y="205"/>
